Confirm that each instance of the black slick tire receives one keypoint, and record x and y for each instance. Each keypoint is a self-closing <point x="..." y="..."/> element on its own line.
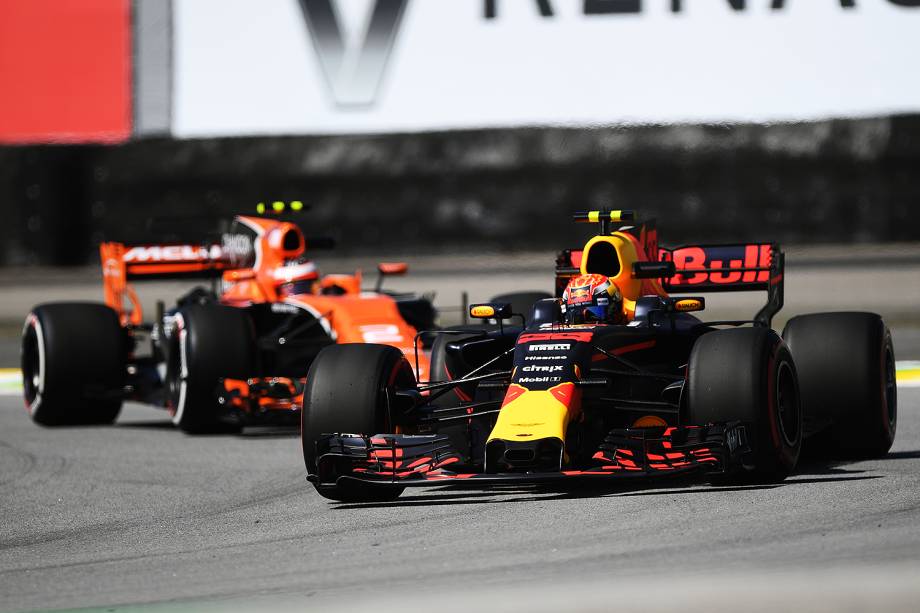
<point x="846" y="372"/>
<point x="211" y="342"/>
<point x="348" y="390"/>
<point x="74" y="357"/>
<point x="748" y="375"/>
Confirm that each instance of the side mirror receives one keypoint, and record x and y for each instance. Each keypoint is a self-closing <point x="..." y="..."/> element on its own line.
<point x="392" y="268"/>
<point x="491" y="310"/>
<point x="654" y="270"/>
<point x="688" y="305"/>
<point x="387" y="269"/>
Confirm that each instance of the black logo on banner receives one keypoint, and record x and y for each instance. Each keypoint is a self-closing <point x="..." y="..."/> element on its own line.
<point x="353" y="74"/>
<point x="354" y="71"/>
<point x="613" y="7"/>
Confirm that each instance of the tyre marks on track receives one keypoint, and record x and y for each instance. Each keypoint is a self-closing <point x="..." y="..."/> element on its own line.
<point x="22" y="469"/>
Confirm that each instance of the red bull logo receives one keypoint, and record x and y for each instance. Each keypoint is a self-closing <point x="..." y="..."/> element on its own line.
<point x="578" y="295"/>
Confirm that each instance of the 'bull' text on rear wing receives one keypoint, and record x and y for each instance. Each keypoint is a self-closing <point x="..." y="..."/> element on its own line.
<point x="729" y="268"/>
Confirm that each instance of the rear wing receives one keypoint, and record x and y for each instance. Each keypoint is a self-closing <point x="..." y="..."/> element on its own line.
<point x="122" y="262"/>
<point x="729" y="268"/>
<point x="743" y="267"/>
<point x="166" y="261"/>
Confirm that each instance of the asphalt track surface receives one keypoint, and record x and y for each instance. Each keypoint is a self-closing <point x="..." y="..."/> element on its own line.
<point x="138" y="516"/>
<point x="139" y="513"/>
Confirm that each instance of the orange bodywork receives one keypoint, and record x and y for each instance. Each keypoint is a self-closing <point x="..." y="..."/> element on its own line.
<point x="348" y="314"/>
<point x="365" y="318"/>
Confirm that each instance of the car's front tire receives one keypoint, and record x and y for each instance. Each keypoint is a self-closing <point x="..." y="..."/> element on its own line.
<point x="747" y="375"/>
<point x="211" y="342"/>
<point x="350" y="390"/>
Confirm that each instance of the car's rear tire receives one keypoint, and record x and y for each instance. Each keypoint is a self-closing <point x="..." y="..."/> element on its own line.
<point x="348" y="390"/>
<point x="747" y="374"/>
<point x="211" y="342"/>
<point x="74" y="358"/>
<point x="846" y="372"/>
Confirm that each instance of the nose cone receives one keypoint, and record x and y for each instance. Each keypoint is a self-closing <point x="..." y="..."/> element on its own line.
<point x="531" y="426"/>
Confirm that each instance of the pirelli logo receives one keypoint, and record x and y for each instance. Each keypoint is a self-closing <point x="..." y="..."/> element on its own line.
<point x="550" y="347"/>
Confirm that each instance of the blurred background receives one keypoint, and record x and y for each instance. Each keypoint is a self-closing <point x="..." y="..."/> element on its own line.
<point x="467" y="130"/>
<point x="458" y="136"/>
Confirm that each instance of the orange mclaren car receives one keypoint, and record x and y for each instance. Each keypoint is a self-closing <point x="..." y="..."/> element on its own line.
<point x="223" y="357"/>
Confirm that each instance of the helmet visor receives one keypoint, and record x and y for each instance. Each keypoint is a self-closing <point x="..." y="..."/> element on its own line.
<point x="594" y="313"/>
<point x="297" y="287"/>
<point x="586" y="314"/>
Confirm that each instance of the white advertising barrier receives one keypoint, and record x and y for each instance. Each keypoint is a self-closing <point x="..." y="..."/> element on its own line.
<point x="341" y="66"/>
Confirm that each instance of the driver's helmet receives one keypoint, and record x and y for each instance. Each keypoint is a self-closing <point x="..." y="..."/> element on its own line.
<point x="592" y="299"/>
<point x="296" y="276"/>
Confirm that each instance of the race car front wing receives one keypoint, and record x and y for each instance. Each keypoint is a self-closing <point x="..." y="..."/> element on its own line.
<point x="426" y="460"/>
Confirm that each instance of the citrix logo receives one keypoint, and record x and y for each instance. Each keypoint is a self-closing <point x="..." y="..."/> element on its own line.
<point x="542" y="369"/>
<point x="353" y="72"/>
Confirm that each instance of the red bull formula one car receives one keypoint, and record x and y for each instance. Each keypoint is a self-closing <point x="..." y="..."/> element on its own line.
<point x="221" y="358"/>
<point x="590" y="392"/>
